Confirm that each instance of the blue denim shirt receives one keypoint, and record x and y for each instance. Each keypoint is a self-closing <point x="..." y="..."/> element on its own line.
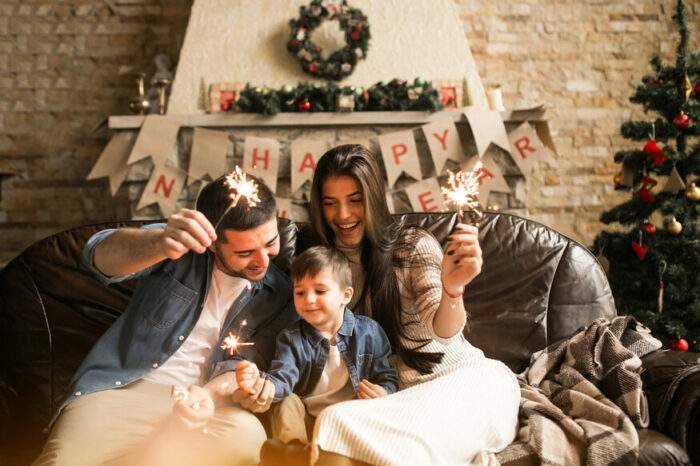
<point x="163" y="310"/>
<point x="302" y="353"/>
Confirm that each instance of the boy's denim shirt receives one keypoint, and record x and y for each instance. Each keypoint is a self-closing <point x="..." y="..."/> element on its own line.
<point x="163" y="310"/>
<point x="302" y="353"/>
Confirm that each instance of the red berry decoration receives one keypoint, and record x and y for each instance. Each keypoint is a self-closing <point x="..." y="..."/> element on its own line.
<point x="649" y="228"/>
<point x="304" y="106"/>
<point x="682" y="121"/>
<point x="313" y="67"/>
<point x="657" y="154"/>
<point x="680" y="345"/>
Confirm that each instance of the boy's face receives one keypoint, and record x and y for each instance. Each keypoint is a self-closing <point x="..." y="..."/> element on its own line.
<point x="320" y="300"/>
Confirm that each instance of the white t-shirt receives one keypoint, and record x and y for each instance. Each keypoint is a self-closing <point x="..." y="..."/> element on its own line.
<point x="334" y="385"/>
<point x="185" y="366"/>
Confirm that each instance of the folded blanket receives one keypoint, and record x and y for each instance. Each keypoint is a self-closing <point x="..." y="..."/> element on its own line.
<point x="582" y="397"/>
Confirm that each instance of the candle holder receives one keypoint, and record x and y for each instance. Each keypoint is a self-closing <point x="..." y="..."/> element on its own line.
<point x="140" y="103"/>
<point x="162" y="86"/>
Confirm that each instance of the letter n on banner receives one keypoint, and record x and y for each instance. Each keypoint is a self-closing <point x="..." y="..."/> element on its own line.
<point x="261" y="157"/>
<point x="305" y="154"/>
<point x="425" y="196"/>
<point x="444" y="143"/>
<point x="527" y="147"/>
<point x="164" y="187"/>
<point x="400" y="155"/>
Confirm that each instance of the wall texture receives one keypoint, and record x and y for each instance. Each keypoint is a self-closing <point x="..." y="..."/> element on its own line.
<point x="65" y="66"/>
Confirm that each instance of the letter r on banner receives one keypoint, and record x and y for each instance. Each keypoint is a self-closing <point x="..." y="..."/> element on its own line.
<point x="165" y="185"/>
<point x="523" y="144"/>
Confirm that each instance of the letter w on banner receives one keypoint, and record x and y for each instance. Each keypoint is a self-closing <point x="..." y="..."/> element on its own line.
<point x="305" y="155"/>
<point x="400" y="155"/>
<point x="527" y="148"/>
<point x="444" y="143"/>
<point x="425" y="196"/>
<point x="261" y="157"/>
<point x="163" y="187"/>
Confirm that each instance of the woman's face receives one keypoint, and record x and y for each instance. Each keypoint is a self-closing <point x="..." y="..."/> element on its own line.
<point x="343" y="205"/>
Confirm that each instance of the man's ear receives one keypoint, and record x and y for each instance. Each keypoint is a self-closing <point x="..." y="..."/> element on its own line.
<point x="347" y="294"/>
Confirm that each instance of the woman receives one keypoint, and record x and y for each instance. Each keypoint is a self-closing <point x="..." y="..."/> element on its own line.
<point x="455" y="405"/>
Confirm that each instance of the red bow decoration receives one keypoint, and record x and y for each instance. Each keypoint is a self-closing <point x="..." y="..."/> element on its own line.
<point x="644" y="192"/>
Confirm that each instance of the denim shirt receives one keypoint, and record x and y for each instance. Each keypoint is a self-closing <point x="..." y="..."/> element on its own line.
<point x="302" y="353"/>
<point x="163" y="310"/>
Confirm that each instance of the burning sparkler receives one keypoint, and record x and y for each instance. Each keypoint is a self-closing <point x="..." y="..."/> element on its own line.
<point x="233" y="342"/>
<point x="462" y="191"/>
<point x="239" y="187"/>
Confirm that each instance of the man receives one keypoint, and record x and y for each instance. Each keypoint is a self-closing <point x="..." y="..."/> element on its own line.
<point x="197" y="284"/>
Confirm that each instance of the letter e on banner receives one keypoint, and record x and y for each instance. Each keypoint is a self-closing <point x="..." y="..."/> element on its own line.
<point x="425" y="196"/>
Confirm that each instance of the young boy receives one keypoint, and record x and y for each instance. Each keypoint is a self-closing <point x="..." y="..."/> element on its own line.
<point x="329" y="355"/>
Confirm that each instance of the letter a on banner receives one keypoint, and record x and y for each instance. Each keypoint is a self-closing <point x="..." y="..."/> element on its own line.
<point x="261" y="157"/>
<point x="163" y="187"/>
<point x="425" y="196"/>
<point x="400" y="155"/>
<point x="527" y="147"/>
<point x="444" y="143"/>
<point x="305" y="154"/>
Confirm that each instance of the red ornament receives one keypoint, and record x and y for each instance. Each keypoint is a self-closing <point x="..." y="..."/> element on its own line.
<point x="304" y="106"/>
<point x="649" y="228"/>
<point x="680" y="345"/>
<point x="313" y="67"/>
<point x="697" y="88"/>
<point x="295" y="42"/>
<point x="640" y="250"/>
<point x="356" y="33"/>
<point x="644" y="192"/>
<point x="657" y="154"/>
<point x="682" y="121"/>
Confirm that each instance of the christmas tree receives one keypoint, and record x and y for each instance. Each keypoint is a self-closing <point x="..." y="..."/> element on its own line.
<point x="654" y="258"/>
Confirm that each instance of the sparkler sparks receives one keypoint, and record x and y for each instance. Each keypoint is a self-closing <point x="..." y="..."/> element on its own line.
<point x="233" y="342"/>
<point x="239" y="187"/>
<point x="462" y="190"/>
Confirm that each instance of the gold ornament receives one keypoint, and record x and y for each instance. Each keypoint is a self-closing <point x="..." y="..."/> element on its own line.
<point x="687" y="87"/>
<point x="693" y="192"/>
<point x="673" y="226"/>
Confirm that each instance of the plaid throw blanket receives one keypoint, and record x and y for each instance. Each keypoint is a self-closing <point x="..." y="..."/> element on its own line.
<point x="581" y="398"/>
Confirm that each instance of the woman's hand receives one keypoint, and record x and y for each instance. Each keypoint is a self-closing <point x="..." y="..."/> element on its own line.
<point x="368" y="390"/>
<point x="462" y="260"/>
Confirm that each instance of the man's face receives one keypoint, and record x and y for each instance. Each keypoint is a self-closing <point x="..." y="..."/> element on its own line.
<point x="247" y="253"/>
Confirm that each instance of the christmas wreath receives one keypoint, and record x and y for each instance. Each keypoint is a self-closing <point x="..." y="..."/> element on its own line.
<point x="340" y="63"/>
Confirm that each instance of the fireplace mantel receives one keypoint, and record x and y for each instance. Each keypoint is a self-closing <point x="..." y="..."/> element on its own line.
<point x="232" y="120"/>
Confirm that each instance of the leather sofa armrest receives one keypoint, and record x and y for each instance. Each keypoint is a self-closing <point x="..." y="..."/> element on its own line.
<point x="672" y="385"/>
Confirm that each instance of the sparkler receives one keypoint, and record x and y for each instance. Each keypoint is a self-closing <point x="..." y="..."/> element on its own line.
<point x="462" y="191"/>
<point x="239" y="187"/>
<point x="233" y="342"/>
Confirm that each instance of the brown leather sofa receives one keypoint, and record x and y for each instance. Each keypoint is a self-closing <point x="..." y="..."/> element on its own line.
<point x="536" y="287"/>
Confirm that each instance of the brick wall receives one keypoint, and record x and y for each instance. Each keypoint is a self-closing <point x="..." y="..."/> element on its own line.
<point x="65" y="66"/>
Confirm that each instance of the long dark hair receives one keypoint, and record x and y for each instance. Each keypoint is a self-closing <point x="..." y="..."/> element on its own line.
<point x="379" y="251"/>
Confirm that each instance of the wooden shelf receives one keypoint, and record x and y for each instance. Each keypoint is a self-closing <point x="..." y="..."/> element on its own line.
<point x="232" y="120"/>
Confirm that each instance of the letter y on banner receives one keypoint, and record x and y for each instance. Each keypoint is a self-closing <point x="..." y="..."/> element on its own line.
<point x="164" y="187"/>
<point x="444" y="143"/>
<point x="261" y="157"/>
<point x="400" y="155"/>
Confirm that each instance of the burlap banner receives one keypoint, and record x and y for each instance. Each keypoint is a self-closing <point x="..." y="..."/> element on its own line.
<point x="164" y="187"/>
<point x="444" y="143"/>
<point x="487" y="127"/>
<point x="209" y="149"/>
<point x="400" y="155"/>
<point x="425" y="196"/>
<point x="527" y="148"/>
<point x="156" y="139"/>
<point x="490" y="177"/>
<point x="112" y="161"/>
<point x="261" y="157"/>
<point x="305" y="155"/>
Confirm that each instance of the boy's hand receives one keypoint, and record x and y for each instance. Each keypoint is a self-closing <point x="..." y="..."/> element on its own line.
<point x="368" y="390"/>
<point x="195" y="408"/>
<point x="259" y="399"/>
<point x="247" y="376"/>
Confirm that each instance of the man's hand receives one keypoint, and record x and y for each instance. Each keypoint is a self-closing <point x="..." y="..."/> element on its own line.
<point x="187" y="230"/>
<point x="247" y="376"/>
<point x="368" y="390"/>
<point x="196" y="408"/>
<point x="257" y="400"/>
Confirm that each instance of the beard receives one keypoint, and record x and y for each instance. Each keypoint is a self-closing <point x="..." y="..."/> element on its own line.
<point x="221" y="264"/>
